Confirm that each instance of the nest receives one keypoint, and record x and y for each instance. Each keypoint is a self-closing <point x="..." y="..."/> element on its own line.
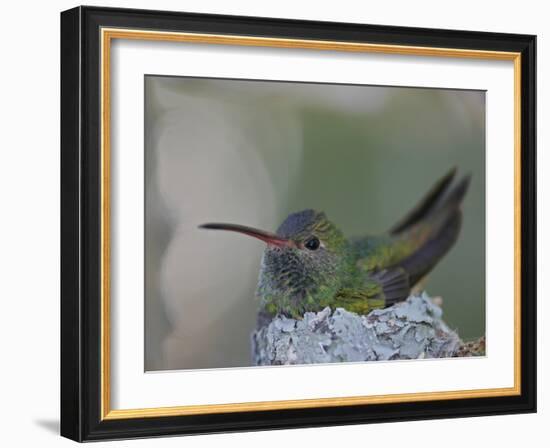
<point x="412" y="329"/>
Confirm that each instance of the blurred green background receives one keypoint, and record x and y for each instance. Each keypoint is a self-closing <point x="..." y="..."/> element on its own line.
<point x="252" y="152"/>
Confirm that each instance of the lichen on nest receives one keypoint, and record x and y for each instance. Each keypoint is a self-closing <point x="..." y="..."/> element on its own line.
<point x="412" y="329"/>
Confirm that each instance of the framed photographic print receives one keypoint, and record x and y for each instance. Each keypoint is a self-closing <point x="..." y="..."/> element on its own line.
<point x="274" y="224"/>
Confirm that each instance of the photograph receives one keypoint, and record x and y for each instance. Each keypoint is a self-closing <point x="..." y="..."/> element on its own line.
<point x="307" y="223"/>
<point x="272" y="223"/>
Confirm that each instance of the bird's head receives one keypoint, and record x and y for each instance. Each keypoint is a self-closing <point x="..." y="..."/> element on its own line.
<point x="304" y="259"/>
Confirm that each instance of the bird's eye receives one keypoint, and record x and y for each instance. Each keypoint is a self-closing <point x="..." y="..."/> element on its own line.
<point x="312" y="244"/>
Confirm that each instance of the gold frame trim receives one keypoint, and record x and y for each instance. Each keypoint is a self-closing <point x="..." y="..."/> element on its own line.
<point x="107" y="35"/>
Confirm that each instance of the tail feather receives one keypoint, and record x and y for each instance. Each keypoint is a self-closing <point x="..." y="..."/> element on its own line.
<point x="423" y="260"/>
<point x="438" y="219"/>
<point x="426" y="205"/>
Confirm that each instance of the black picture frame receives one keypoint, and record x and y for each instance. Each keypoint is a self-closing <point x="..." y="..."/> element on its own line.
<point x="81" y="224"/>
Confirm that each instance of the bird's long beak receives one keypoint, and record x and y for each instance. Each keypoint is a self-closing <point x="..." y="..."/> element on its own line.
<point x="266" y="237"/>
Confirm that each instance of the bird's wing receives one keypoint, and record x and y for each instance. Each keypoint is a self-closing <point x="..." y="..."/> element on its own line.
<point x="395" y="284"/>
<point x="381" y="289"/>
<point x="423" y="237"/>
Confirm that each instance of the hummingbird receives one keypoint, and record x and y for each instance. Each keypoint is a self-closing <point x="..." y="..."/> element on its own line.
<point x="308" y="263"/>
